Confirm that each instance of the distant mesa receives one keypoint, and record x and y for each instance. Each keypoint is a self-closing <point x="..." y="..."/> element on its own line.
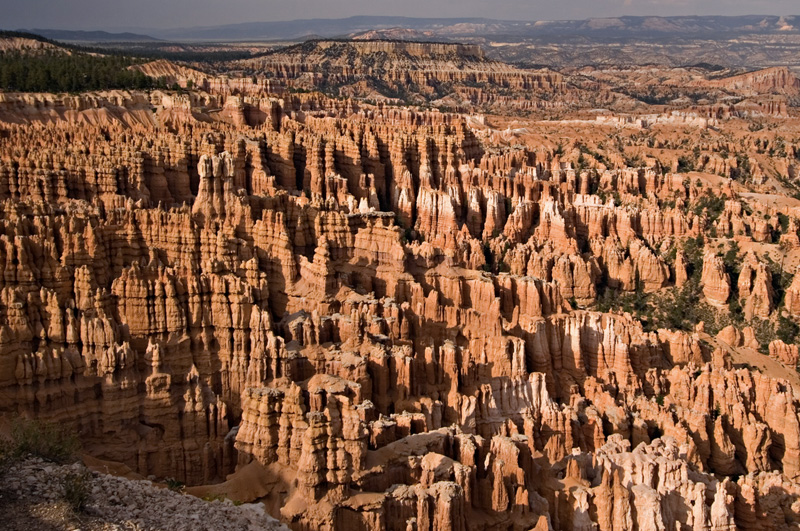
<point x="448" y="73"/>
<point x="776" y="80"/>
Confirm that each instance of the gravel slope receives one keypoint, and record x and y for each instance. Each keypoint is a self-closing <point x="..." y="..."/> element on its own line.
<point x="32" y="496"/>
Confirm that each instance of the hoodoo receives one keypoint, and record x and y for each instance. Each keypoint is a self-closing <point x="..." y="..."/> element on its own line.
<point x="292" y="282"/>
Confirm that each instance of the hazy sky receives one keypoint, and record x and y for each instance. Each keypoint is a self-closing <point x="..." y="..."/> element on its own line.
<point x="117" y="14"/>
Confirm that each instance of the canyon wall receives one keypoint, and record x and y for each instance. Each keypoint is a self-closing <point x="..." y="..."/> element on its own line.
<point x="402" y="320"/>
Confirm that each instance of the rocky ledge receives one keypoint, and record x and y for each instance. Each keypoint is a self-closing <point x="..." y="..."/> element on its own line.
<point x="37" y="494"/>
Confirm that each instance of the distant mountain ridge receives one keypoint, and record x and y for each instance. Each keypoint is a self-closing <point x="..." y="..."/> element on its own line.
<point x="91" y="36"/>
<point x="617" y="27"/>
<point x="305" y="28"/>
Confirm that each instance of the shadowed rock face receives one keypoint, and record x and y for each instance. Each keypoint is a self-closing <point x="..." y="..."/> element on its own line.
<point x="378" y="306"/>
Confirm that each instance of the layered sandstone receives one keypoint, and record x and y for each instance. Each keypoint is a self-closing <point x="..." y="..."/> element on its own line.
<point x="384" y="321"/>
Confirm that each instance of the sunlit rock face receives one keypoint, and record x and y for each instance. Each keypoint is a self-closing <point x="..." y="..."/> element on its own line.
<point x="396" y="319"/>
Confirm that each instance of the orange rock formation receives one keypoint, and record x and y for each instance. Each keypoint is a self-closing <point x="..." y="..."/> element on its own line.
<point x="394" y="321"/>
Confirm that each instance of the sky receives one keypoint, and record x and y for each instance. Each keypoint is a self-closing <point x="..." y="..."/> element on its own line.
<point x="162" y="14"/>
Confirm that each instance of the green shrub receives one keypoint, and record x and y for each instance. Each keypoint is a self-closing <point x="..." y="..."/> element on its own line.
<point x="765" y="333"/>
<point x="77" y="487"/>
<point x="783" y="219"/>
<point x="43" y="439"/>
<point x="787" y="331"/>
<point x="743" y="171"/>
<point x="174" y="484"/>
<point x="685" y="164"/>
<point x="710" y="204"/>
<point x="6" y="454"/>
